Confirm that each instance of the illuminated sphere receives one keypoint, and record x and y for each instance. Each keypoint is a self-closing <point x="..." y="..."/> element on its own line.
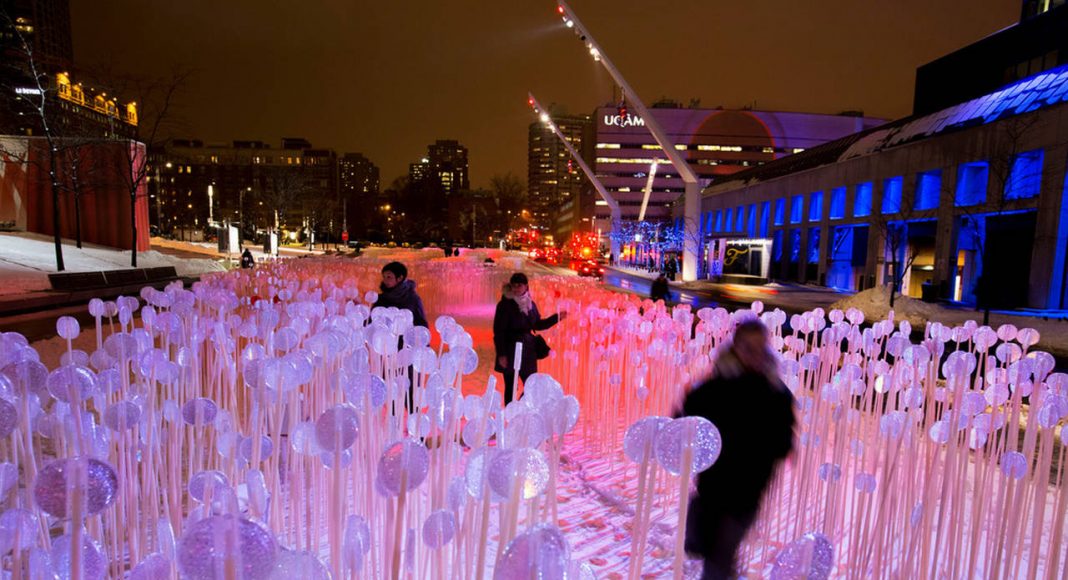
<point x="541" y="553"/>
<point x="706" y="444"/>
<point x="94" y="563"/>
<point x="528" y="466"/>
<point x="210" y="544"/>
<point x="439" y="528"/>
<point x="405" y="459"/>
<point x="810" y="557"/>
<point x="641" y="433"/>
<point x="50" y="487"/>
<point x="337" y="428"/>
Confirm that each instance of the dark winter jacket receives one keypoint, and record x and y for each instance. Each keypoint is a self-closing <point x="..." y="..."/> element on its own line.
<point x="755" y="417"/>
<point x="403" y="296"/>
<point x="510" y="326"/>
<point x="247" y="261"/>
<point x="659" y="289"/>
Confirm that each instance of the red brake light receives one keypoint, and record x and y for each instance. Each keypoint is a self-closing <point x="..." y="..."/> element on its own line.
<point x="560" y="9"/>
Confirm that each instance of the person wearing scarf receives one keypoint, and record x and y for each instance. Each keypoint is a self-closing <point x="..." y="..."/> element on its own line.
<point x="516" y="320"/>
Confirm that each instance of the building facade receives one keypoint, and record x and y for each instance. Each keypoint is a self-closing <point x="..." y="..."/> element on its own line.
<point x="292" y="189"/>
<point x="444" y="170"/>
<point x="559" y="195"/>
<point x="715" y="142"/>
<point x="358" y="186"/>
<point x="1037" y="43"/>
<point x="966" y="203"/>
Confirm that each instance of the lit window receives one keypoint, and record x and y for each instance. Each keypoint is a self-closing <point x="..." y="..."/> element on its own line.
<point x="838" y="203"/>
<point x="971" y="184"/>
<point x="815" y="206"/>
<point x="797" y="208"/>
<point x="928" y="190"/>
<point x="892" y="196"/>
<point x="862" y="201"/>
<point x="1025" y="176"/>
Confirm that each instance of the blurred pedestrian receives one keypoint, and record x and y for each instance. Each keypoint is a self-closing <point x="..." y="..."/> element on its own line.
<point x="747" y="401"/>
<point x="659" y="289"/>
<point x="247" y="261"/>
<point x="516" y="320"/>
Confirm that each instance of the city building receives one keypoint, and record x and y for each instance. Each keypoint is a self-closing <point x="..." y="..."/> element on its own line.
<point x="1037" y="43"/>
<point x="293" y="189"/>
<point x="951" y="201"/>
<point x="444" y="169"/>
<point x="715" y="142"/>
<point x="43" y="25"/>
<point x="358" y="185"/>
<point x="559" y="195"/>
<point x="966" y="203"/>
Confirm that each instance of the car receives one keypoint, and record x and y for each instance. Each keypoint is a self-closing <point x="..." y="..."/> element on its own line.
<point x="588" y="268"/>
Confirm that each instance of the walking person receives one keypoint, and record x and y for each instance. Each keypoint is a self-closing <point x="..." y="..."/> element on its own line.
<point x="247" y="261"/>
<point x="747" y="401"/>
<point x="516" y="320"/>
<point x="659" y="289"/>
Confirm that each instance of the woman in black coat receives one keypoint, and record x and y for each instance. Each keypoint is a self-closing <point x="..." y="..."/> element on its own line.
<point x="516" y="320"/>
<point x="746" y="400"/>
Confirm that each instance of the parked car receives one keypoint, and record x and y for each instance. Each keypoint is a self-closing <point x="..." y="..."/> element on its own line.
<point x="588" y="268"/>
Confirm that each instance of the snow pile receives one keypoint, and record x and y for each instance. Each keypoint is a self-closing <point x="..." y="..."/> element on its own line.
<point x="27" y="259"/>
<point x="875" y="304"/>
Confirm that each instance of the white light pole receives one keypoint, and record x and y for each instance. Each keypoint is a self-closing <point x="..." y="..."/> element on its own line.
<point x="691" y="206"/>
<point x="613" y="205"/>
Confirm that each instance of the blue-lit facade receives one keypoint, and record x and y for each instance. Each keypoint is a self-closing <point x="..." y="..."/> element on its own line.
<point x="976" y="192"/>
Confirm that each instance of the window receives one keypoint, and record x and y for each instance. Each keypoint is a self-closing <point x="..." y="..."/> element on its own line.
<point x="813" y="245"/>
<point x="795" y="246"/>
<point x="928" y="190"/>
<point x="862" y="201"/>
<point x="797" y="208"/>
<point x="719" y="221"/>
<point x="838" y="199"/>
<point x="752" y="220"/>
<point x="892" y="195"/>
<point x="1025" y="176"/>
<point x="740" y="225"/>
<point x="728" y="219"/>
<point x="971" y="184"/>
<point x="765" y="218"/>
<point x="780" y="211"/>
<point x="815" y="206"/>
<point x="777" y="245"/>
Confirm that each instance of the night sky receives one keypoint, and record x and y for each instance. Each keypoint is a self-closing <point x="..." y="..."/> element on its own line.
<point x="387" y="78"/>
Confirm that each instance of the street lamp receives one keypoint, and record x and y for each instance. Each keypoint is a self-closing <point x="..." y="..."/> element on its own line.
<point x="692" y="195"/>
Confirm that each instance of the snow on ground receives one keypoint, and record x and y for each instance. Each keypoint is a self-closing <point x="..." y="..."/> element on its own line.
<point x="875" y="304"/>
<point x="27" y="259"/>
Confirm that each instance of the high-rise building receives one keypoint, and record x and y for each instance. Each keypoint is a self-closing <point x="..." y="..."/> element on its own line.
<point x="44" y="25"/>
<point x="715" y="142"/>
<point x="358" y="184"/>
<point x="446" y="164"/>
<point x="555" y="182"/>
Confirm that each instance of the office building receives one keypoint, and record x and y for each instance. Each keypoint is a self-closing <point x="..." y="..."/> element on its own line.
<point x="358" y="184"/>
<point x="556" y="186"/>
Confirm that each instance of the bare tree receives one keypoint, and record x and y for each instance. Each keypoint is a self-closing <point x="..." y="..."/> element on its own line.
<point x="40" y="101"/>
<point x="285" y="189"/>
<point x="156" y="120"/>
<point x="1006" y="175"/>
<point x="891" y="222"/>
<point x="510" y="195"/>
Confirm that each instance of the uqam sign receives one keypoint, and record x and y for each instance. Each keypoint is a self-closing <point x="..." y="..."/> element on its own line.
<point x="627" y="120"/>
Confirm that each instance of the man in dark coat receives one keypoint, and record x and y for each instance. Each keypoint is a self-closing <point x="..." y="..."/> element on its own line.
<point x="398" y="291"/>
<point x="746" y="400"/>
<point x="247" y="261"/>
<point x="516" y="320"/>
<point x="659" y="289"/>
